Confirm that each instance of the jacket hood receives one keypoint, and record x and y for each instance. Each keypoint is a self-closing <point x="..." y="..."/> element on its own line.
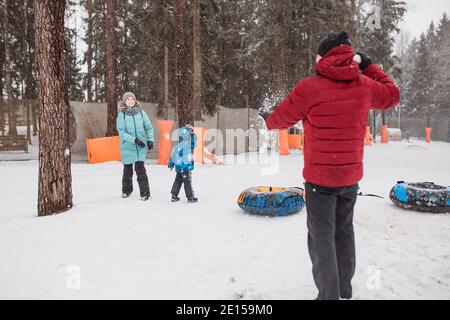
<point x="184" y="134"/>
<point x="338" y="64"/>
<point x="130" y="110"/>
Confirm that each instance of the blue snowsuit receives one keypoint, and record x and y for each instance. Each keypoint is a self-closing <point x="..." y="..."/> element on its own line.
<point x="182" y="157"/>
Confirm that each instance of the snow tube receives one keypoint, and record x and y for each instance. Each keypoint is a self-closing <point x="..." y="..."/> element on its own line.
<point x="271" y="201"/>
<point x="421" y="196"/>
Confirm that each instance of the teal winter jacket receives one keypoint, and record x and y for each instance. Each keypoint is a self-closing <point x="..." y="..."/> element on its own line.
<point x="132" y="125"/>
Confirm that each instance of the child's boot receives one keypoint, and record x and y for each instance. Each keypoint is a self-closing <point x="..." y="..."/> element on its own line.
<point x="192" y="199"/>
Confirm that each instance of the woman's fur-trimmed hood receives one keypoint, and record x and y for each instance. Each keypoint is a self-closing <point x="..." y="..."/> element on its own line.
<point x="130" y="110"/>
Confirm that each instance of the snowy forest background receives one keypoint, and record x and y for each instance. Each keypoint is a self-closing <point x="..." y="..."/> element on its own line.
<point x="238" y="52"/>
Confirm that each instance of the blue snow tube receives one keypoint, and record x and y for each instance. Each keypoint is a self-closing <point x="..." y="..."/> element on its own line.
<point x="271" y="201"/>
<point x="421" y="196"/>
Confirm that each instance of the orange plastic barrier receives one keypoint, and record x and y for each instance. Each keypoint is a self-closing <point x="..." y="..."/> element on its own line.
<point x="199" y="153"/>
<point x="165" y="146"/>
<point x="368" y="137"/>
<point x="283" y="142"/>
<point x="103" y="149"/>
<point x="428" y="134"/>
<point x="294" y="141"/>
<point x="384" y="134"/>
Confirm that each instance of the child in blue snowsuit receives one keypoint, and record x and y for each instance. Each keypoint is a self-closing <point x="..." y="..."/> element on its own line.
<point x="182" y="158"/>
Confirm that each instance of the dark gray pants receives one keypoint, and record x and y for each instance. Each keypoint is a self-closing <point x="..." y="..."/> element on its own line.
<point x="127" y="178"/>
<point x="331" y="240"/>
<point x="183" y="178"/>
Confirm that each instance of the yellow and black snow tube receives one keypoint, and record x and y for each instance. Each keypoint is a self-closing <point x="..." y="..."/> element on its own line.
<point x="271" y="201"/>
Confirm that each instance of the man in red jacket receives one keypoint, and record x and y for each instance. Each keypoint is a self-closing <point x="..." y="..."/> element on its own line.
<point x="333" y="105"/>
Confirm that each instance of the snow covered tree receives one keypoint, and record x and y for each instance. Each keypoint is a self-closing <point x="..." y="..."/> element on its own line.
<point x="55" y="179"/>
<point x="442" y="61"/>
<point x="407" y="63"/>
<point x="423" y="80"/>
<point x="378" y="43"/>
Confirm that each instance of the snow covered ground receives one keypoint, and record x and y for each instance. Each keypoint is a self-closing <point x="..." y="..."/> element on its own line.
<point x="108" y="247"/>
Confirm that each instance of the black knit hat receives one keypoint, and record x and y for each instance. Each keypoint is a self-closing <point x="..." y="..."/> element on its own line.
<point x="332" y="40"/>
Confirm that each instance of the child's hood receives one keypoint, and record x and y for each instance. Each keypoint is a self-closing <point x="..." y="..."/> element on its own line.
<point x="184" y="134"/>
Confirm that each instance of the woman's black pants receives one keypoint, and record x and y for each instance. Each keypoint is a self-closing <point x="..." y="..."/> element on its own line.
<point x="127" y="179"/>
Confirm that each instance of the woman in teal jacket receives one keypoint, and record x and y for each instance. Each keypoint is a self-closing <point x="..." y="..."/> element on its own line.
<point x="136" y="136"/>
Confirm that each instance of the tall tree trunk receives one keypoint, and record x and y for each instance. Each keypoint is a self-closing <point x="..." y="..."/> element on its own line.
<point x="166" y="83"/>
<point x="184" y="112"/>
<point x="96" y="76"/>
<point x="27" y="63"/>
<point x="12" y="129"/>
<point x="281" y="48"/>
<point x="111" y="80"/>
<point x="2" y="110"/>
<point x="55" y="178"/>
<point x="89" y="50"/>
<point x="197" y="57"/>
<point x="29" y="76"/>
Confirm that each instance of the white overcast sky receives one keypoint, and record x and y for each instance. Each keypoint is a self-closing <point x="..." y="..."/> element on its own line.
<point x="420" y="13"/>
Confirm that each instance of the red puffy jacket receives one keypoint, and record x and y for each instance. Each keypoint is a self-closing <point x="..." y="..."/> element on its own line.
<point x="333" y="105"/>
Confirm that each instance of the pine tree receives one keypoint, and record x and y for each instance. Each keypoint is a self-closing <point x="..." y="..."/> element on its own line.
<point x="422" y="84"/>
<point x="442" y="67"/>
<point x="379" y="43"/>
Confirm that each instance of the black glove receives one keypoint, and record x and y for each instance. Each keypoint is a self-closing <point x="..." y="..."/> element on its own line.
<point x="150" y="145"/>
<point x="139" y="143"/>
<point x="264" y="114"/>
<point x="365" y="61"/>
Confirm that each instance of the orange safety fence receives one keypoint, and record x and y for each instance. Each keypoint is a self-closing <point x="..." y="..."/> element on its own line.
<point x="165" y="145"/>
<point x="368" y="137"/>
<point x="428" y="134"/>
<point x="199" y="153"/>
<point x="384" y="134"/>
<point x="294" y="141"/>
<point x="283" y="142"/>
<point x="103" y="149"/>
